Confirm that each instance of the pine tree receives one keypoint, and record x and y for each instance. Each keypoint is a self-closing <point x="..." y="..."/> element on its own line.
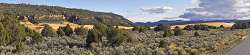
<point x="60" y="31"/>
<point x="48" y="31"/>
<point x="68" y="30"/>
<point x="80" y="31"/>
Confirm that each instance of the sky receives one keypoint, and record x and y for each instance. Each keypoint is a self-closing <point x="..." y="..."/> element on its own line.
<point x="155" y="10"/>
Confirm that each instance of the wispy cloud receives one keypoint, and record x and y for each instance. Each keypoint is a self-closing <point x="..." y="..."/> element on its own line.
<point x="156" y="10"/>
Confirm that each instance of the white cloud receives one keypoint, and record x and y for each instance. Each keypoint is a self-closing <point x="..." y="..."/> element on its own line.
<point x="176" y="18"/>
<point x="156" y="10"/>
<point x="224" y="9"/>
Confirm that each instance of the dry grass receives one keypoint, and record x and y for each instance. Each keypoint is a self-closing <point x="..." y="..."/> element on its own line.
<point x="124" y="27"/>
<point x="217" y="24"/>
<point x="55" y="26"/>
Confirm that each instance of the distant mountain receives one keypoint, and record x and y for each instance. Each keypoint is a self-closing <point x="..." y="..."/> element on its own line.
<point x="179" y="22"/>
<point x="43" y="13"/>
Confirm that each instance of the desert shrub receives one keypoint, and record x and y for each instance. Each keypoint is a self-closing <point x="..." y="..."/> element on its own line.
<point x="80" y="31"/>
<point x="48" y="31"/>
<point x="68" y="30"/>
<point x="162" y="27"/>
<point x="60" y="31"/>
<point x="20" y="47"/>
<point x="163" y="44"/>
<point x="37" y="37"/>
<point x="193" y="52"/>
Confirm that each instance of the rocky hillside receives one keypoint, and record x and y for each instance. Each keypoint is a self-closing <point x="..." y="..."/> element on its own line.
<point x="56" y="14"/>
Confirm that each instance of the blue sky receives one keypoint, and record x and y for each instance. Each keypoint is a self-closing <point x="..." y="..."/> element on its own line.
<point x="134" y="10"/>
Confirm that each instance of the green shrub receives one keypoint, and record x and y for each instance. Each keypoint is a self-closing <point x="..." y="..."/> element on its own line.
<point x="117" y="37"/>
<point x="35" y="35"/>
<point x="162" y="27"/>
<point x="167" y="33"/>
<point x="60" y="31"/>
<point x="20" y="47"/>
<point x="68" y="30"/>
<point x="102" y="28"/>
<point x="163" y="44"/>
<point x="196" y="34"/>
<point x="178" y="32"/>
<point x="93" y="36"/>
<point x="4" y="36"/>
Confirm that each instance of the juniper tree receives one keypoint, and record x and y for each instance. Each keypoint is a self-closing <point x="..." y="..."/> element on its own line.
<point x="68" y="30"/>
<point x="222" y="26"/>
<point x="60" y="31"/>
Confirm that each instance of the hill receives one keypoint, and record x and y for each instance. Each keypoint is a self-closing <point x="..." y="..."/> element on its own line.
<point x="56" y="14"/>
